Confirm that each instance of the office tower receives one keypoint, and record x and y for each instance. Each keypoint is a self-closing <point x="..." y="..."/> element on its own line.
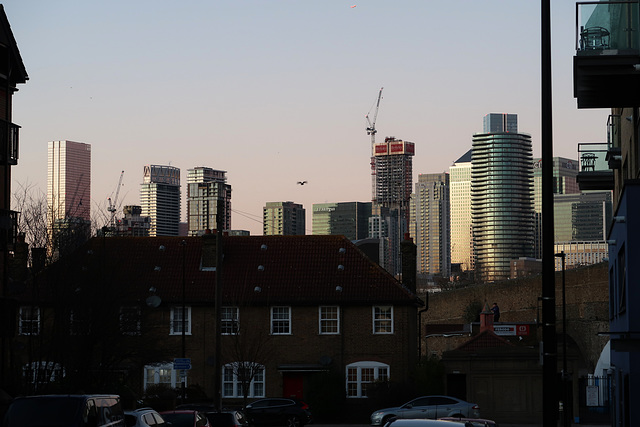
<point x="462" y="254"/>
<point x="350" y="219"/>
<point x="68" y="194"/>
<point x="501" y="202"/>
<point x="500" y="122"/>
<point x="208" y="199"/>
<point x="431" y="234"/>
<point x="582" y="217"/>
<point x="160" y="199"/>
<point x="393" y="170"/>
<point x="283" y="218"/>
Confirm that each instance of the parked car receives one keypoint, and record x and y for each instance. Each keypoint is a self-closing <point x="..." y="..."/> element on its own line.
<point x="225" y="418"/>
<point x="65" y="410"/>
<point x="186" y="418"/>
<point x="472" y="422"/>
<point x="144" y="417"/>
<point x="431" y="407"/>
<point x="278" y="412"/>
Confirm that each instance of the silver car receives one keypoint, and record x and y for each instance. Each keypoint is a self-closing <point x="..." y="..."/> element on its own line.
<point x="431" y="407"/>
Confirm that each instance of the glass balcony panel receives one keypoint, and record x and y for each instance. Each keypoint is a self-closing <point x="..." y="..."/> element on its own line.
<point x="592" y="156"/>
<point x="607" y="25"/>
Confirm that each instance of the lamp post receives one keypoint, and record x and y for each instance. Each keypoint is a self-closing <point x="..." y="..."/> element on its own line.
<point x="183" y="243"/>
<point x="565" y="417"/>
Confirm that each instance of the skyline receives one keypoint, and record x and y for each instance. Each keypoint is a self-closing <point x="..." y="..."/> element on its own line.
<point x="275" y="93"/>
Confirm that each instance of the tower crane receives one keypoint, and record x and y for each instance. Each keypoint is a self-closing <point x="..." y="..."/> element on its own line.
<point x="371" y="128"/>
<point x="113" y="206"/>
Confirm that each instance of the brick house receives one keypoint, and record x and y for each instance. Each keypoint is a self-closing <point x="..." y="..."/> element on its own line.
<point x="291" y="308"/>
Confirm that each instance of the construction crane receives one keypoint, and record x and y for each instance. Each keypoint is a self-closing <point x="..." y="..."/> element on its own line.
<point x="371" y="128"/>
<point x="113" y="206"/>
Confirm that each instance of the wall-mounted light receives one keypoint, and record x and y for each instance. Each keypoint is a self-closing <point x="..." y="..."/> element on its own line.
<point x="263" y="247"/>
<point x="342" y="250"/>
<point x="161" y="248"/>
<point x="156" y="268"/>
<point x="257" y="289"/>
<point x="338" y="288"/>
<point x="341" y="267"/>
<point x="261" y="268"/>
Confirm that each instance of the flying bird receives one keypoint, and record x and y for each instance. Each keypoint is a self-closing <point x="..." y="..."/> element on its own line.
<point x="302" y="182"/>
<point x="353" y="6"/>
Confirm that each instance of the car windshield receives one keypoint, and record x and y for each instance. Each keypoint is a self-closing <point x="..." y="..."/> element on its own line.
<point x="179" y="420"/>
<point x="45" y="411"/>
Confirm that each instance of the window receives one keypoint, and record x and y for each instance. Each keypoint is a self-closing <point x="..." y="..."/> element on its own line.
<point x="29" y="322"/>
<point x="383" y="319"/>
<point x="280" y="320"/>
<point x="161" y="374"/>
<point x="329" y="319"/>
<point x="234" y="374"/>
<point x="176" y="320"/>
<point x="42" y="373"/>
<point x="361" y="374"/>
<point x="130" y="320"/>
<point x="229" y="320"/>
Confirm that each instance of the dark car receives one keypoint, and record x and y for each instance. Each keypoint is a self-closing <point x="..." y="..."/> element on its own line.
<point x="278" y="412"/>
<point x="225" y="418"/>
<point x="186" y="418"/>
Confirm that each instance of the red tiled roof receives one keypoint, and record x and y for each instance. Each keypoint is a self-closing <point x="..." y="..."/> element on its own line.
<point x="295" y="269"/>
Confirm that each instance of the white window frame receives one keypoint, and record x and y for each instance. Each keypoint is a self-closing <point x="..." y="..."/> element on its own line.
<point x="30" y="325"/>
<point x="324" y="321"/>
<point x="379" y="321"/>
<point x="178" y="309"/>
<point x="160" y="370"/>
<point x="362" y="371"/>
<point x="229" y="378"/>
<point x="282" y="310"/>
<point x="230" y="320"/>
<point x="130" y="325"/>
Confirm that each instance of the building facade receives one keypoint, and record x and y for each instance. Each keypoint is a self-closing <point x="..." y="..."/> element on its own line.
<point x="160" y="199"/>
<point x="500" y="122"/>
<point x="283" y="219"/>
<point x="350" y="219"/>
<point x="430" y="229"/>
<point x="208" y="200"/>
<point x="501" y="202"/>
<point x="460" y="213"/>
<point x="133" y="223"/>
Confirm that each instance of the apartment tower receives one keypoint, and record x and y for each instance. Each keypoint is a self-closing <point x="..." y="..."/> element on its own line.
<point x="160" y="199"/>
<point x="208" y="200"/>
<point x="283" y="219"/>
<point x="501" y="198"/>
<point x="431" y="234"/>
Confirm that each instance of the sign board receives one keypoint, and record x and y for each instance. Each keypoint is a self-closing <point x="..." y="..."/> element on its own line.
<point x="511" y="330"/>
<point x="182" y="363"/>
<point x="592" y="395"/>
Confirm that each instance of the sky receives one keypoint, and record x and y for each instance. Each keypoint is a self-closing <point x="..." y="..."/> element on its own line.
<point x="276" y="91"/>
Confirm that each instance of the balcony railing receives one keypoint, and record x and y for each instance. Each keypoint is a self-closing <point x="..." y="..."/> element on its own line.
<point x="8" y="227"/>
<point x="9" y="147"/>
<point x="592" y="156"/>
<point x="613" y="131"/>
<point x="610" y="26"/>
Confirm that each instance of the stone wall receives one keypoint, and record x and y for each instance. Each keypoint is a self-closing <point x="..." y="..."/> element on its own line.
<point x="587" y="307"/>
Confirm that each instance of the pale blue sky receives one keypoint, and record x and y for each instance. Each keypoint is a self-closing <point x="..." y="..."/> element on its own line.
<point x="276" y="91"/>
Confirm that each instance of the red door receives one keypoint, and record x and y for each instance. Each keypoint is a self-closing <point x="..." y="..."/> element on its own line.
<point x="293" y="385"/>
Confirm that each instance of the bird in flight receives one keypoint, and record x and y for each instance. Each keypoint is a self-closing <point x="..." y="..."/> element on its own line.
<point x="302" y="182"/>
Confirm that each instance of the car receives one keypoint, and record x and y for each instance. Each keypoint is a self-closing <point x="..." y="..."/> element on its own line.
<point x="395" y="422"/>
<point x="224" y="418"/>
<point x="186" y="418"/>
<point x="472" y="422"/>
<point x="144" y="417"/>
<point x="98" y="410"/>
<point x="427" y="407"/>
<point x="278" y="412"/>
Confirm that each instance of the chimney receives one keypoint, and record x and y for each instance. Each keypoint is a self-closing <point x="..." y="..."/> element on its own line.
<point x="209" y="250"/>
<point x="486" y="318"/>
<point x="409" y="262"/>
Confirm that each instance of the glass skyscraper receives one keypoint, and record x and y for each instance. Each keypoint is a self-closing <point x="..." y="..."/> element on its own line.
<point x="350" y="219"/>
<point x="501" y="201"/>
<point x="460" y="207"/>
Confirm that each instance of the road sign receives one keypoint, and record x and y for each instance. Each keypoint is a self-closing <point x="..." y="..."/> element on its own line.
<point x="182" y="363"/>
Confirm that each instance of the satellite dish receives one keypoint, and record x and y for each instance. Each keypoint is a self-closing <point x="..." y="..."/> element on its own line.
<point x="153" y="301"/>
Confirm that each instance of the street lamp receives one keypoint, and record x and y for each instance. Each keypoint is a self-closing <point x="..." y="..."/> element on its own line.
<point x="565" y="416"/>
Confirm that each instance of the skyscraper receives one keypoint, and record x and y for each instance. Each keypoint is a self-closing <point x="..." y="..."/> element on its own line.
<point x="68" y="194"/>
<point x="283" y="218"/>
<point x="431" y="234"/>
<point x="460" y="206"/>
<point x="393" y="170"/>
<point x="500" y="122"/>
<point x="208" y="197"/>
<point x="350" y="219"/>
<point x="160" y="199"/>
<point x="69" y="180"/>
<point x="501" y="201"/>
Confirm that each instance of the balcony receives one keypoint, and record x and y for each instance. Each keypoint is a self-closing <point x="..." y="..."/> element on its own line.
<point x="606" y="67"/>
<point x="9" y="137"/>
<point x="8" y="228"/>
<point x="595" y="173"/>
<point x="614" y="152"/>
